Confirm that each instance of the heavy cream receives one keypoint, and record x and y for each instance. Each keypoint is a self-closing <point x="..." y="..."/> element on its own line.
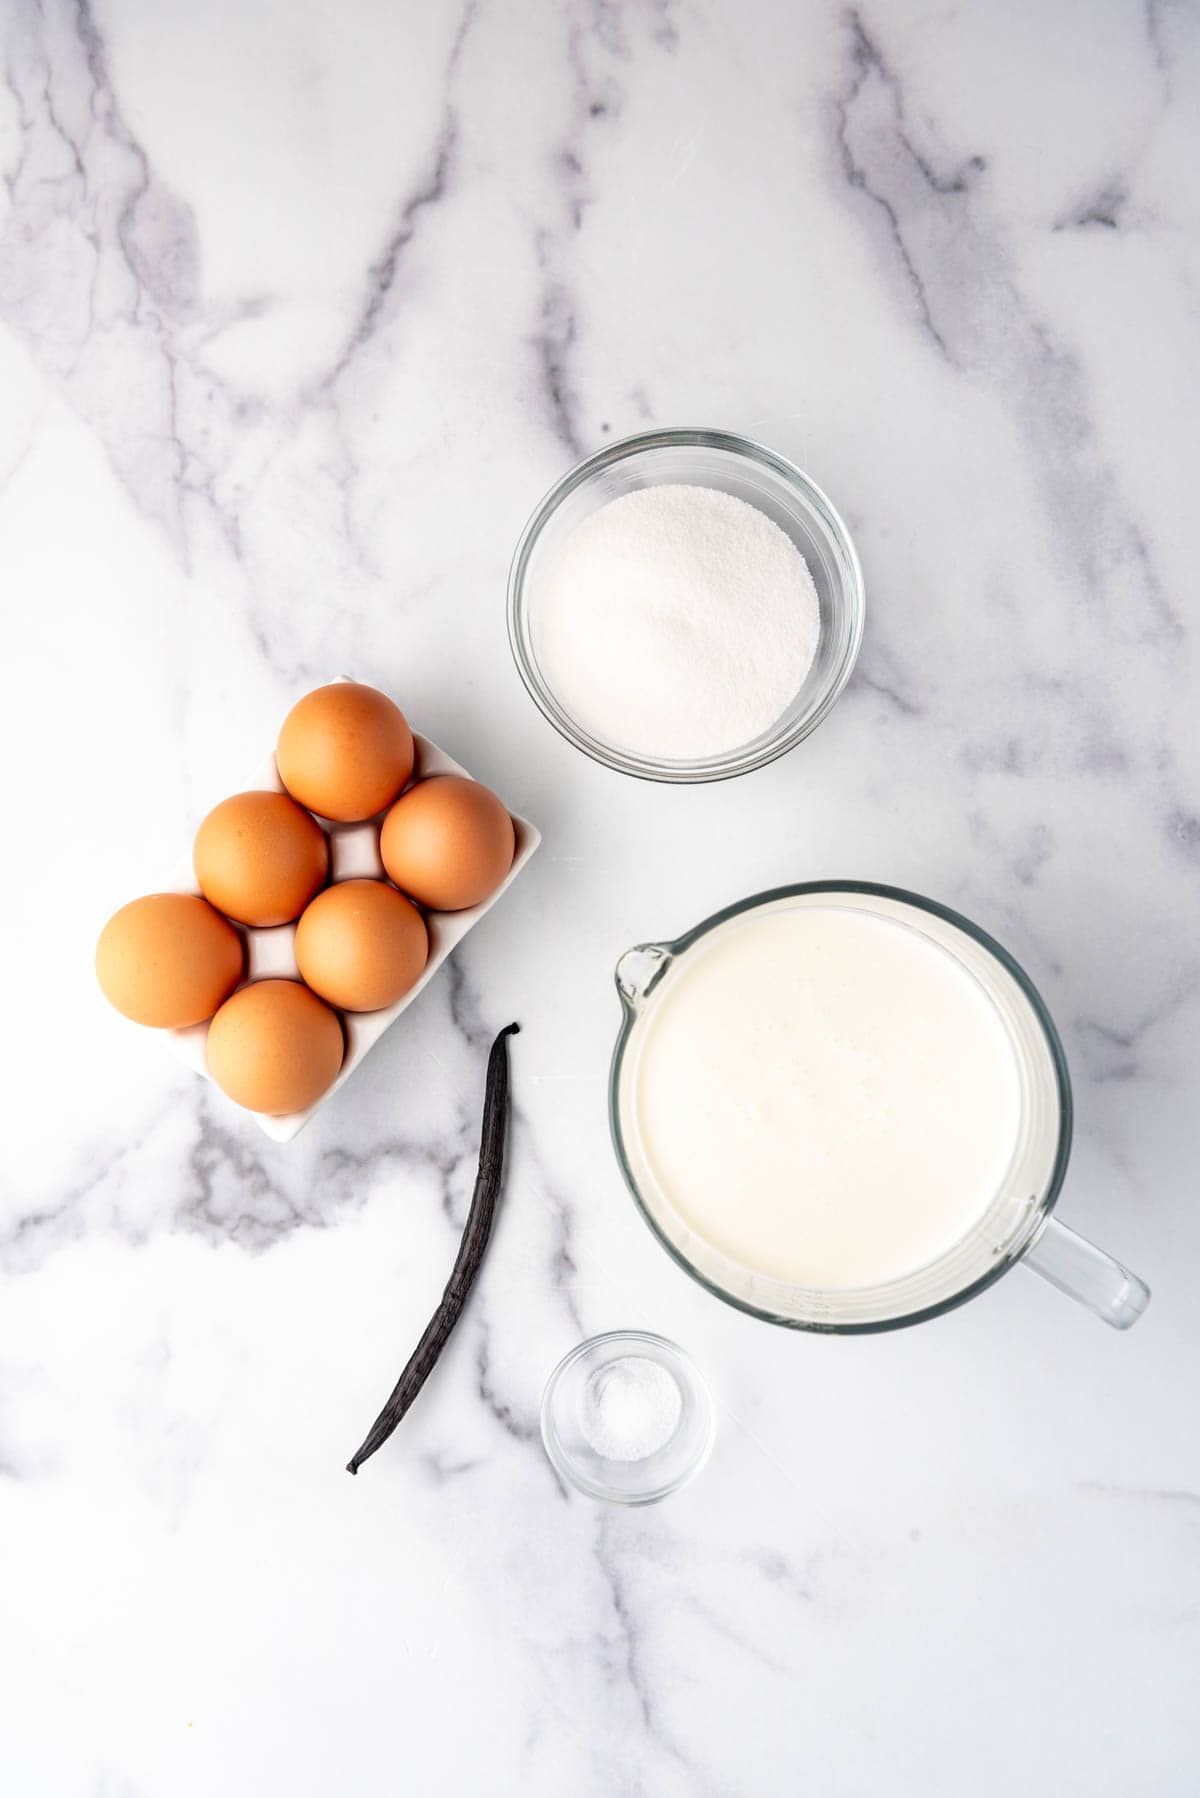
<point x="826" y="1096"/>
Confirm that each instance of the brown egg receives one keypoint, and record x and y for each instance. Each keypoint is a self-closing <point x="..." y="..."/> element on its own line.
<point x="345" y="751"/>
<point x="275" y="1047"/>
<point x="447" y="841"/>
<point x="361" y="945"/>
<point x="168" y="960"/>
<point x="259" y="858"/>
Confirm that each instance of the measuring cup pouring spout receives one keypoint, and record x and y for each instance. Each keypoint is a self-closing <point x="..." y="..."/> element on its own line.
<point x="639" y="971"/>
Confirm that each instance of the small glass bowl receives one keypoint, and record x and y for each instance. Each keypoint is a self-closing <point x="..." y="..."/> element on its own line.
<point x="655" y="1476"/>
<point x="751" y="472"/>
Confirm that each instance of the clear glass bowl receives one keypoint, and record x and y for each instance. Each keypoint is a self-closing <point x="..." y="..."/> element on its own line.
<point x="653" y="1476"/>
<point x="750" y="472"/>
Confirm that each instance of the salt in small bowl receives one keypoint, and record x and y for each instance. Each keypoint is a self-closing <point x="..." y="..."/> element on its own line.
<point x="652" y="1476"/>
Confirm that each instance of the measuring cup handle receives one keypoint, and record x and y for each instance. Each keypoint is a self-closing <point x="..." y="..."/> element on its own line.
<point x="1084" y="1272"/>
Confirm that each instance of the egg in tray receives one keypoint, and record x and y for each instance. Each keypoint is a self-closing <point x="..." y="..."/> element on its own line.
<point x="317" y="905"/>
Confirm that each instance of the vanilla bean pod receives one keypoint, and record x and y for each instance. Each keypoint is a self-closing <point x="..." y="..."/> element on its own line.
<point x="470" y="1253"/>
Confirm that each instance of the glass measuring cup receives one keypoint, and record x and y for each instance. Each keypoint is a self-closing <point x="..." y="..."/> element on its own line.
<point x="1017" y="1225"/>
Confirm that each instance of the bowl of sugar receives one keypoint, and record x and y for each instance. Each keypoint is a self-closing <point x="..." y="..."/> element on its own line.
<point x="685" y="605"/>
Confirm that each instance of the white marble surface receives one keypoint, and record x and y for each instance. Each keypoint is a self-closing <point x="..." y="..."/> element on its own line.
<point x="303" y="307"/>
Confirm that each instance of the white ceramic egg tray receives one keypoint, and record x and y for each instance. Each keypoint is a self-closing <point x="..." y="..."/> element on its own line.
<point x="271" y="954"/>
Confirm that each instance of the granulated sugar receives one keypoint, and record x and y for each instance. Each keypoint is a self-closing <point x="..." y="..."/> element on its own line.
<point x="677" y="622"/>
<point x="630" y="1408"/>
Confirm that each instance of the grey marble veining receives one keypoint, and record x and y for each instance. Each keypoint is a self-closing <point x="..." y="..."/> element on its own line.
<point x="300" y="313"/>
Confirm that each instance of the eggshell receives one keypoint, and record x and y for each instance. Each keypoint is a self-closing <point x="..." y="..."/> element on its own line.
<point x="259" y="858"/>
<point x="448" y="842"/>
<point x="345" y="751"/>
<point x="361" y="945"/>
<point x="275" y="1047"/>
<point x="168" y="960"/>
